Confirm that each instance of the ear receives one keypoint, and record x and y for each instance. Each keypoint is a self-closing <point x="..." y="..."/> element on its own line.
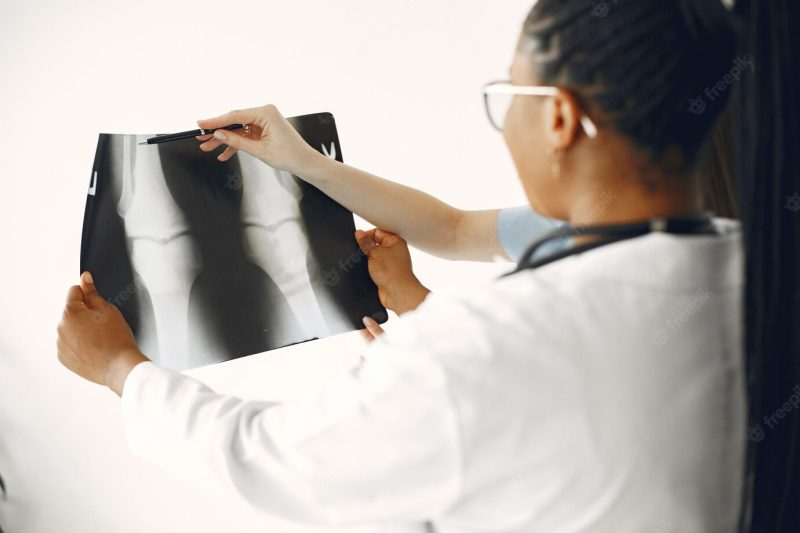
<point x="562" y="118"/>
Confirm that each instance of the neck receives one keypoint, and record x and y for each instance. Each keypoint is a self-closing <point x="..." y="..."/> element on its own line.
<point x="618" y="206"/>
<point x="623" y="203"/>
<point x="613" y="183"/>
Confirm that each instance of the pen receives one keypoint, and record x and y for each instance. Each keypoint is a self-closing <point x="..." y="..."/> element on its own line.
<point x="189" y="134"/>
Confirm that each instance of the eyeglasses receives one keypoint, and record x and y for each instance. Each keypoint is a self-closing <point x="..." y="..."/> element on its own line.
<point x="498" y="95"/>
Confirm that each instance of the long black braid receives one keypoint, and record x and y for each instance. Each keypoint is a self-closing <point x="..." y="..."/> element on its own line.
<point x="652" y="70"/>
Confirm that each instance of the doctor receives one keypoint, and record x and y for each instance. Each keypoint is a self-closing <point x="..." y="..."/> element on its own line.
<point x="599" y="388"/>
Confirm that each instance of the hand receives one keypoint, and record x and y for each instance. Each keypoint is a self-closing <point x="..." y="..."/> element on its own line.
<point x="94" y="341"/>
<point x="272" y="138"/>
<point x="389" y="266"/>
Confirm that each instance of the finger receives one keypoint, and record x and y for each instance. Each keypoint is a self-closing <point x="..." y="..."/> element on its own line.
<point x="359" y="234"/>
<point x="380" y="235"/>
<point x="239" y="116"/>
<point x="366" y="241"/>
<point x="384" y="238"/>
<point x="87" y="285"/>
<point x="91" y="297"/>
<point x="367" y="245"/>
<point x="211" y="144"/>
<point x="227" y="154"/>
<point x="236" y="140"/>
<point x="74" y="295"/>
<point x="366" y="335"/>
<point x="373" y="327"/>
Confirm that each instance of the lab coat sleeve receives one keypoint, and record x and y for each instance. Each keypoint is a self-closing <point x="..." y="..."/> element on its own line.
<point x="379" y="442"/>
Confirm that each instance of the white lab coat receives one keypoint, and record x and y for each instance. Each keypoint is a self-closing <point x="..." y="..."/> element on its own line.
<point x="603" y="392"/>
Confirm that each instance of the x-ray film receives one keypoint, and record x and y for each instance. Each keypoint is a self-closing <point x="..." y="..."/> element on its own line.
<point x="210" y="261"/>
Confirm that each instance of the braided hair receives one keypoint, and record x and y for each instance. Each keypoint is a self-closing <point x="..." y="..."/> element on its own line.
<point x="647" y="67"/>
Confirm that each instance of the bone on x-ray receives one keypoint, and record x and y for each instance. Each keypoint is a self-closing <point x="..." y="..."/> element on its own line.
<point x="209" y="261"/>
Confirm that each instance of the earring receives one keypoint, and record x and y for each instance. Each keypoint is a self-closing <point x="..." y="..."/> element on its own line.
<point x="555" y="166"/>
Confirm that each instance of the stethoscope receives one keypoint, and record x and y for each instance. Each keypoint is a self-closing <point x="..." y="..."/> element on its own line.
<point x="697" y="224"/>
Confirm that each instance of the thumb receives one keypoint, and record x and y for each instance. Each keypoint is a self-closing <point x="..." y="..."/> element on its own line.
<point x="235" y="140"/>
<point x="91" y="297"/>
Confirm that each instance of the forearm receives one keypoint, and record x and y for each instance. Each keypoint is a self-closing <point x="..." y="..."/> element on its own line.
<point x="209" y="439"/>
<point x="424" y="221"/>
<point x="300" y="460"/>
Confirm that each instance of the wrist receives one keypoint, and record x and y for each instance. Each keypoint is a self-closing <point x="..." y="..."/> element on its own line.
<point x="409" y="296"/>
<point x="120" y="366"/>
<point x="314" y="167"/>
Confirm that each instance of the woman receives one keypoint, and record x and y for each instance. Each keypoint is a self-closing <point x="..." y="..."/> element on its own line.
<point x="600" y="388"/>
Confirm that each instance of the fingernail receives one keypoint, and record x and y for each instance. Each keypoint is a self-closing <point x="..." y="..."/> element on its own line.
<point x="219" y="135"/>
<point x="87" y="277"/>
<point x="367" y="321"/>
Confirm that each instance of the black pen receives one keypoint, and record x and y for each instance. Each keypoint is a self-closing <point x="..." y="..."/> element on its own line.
<point x="188" y="134"/>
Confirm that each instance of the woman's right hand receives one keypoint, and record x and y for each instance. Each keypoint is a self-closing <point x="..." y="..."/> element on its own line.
<point x="272" y="139"/>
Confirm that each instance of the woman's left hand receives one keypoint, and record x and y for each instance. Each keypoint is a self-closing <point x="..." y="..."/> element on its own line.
<point x="94" y="341"/>
<point x="389" y="264"/>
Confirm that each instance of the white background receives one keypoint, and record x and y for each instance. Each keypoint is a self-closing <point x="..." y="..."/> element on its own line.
<point x="403" y="80"/>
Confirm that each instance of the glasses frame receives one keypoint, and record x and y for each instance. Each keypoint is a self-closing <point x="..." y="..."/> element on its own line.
<point x="506" y="87"/>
